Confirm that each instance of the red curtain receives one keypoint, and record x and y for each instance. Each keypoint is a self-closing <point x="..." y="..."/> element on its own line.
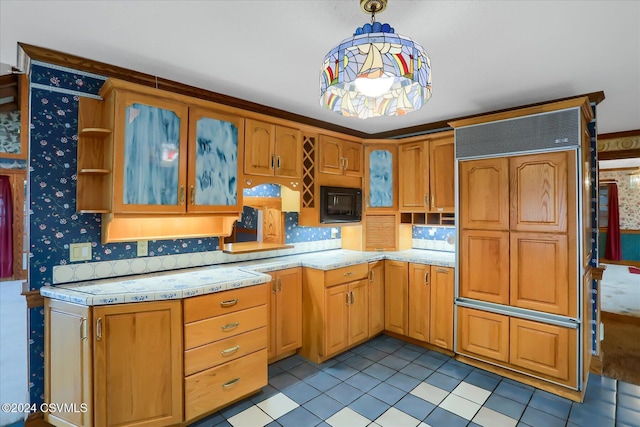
<point x="613" y="249"/>
<point x="6" y="228"/>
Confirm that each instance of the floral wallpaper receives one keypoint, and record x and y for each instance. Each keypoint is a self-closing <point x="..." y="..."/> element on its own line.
<point x="628" y="199"/>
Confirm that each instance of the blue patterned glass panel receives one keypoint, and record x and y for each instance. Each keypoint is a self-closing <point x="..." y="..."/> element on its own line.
<point x="216" y="163"/>
<point x="151" y="166"/>
<point x="380" y="179"/>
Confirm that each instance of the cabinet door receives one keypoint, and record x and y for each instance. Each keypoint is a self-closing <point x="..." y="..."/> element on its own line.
<point x="289" y="310"/>
<point x="272" y="225"/>
<point x="150" y="154"/>
<point x="272" y="326"/>
<point x="483" y="334"/>
<point x="214" y="161"/>
<point x="396" y="292"/>
<point x="358" y="311"/>
<point x="288" y="152"/>
<point x="540" y="273"/>
<point x="381" y="177"/>
<point x="138" y="364"/>
<point x="413" y="188"/>
<point x="352" y="155"/>
<point x="330" y="155"/>
<point x="484" y="194"/>
<point x="376" y="297"/>
<point x="484" y="265"/>
<point x="442" y="173"/>
<point x="336" y="332"/>
<point x="539" y="192"/>
<point x="380" y="232"/>
<point x="441" y="311"/>
<point x="545" y="349"/>
<point x="419" y="301"/>
<point x="259" y="144"/>
<point x="68" y="361"/>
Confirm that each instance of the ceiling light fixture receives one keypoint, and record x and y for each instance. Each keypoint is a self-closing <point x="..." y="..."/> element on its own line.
<point x="376" y="72"/>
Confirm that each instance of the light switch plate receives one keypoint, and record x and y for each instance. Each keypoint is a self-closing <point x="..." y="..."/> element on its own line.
<point x="143" y="247"/>
<point x="80" y="252"/>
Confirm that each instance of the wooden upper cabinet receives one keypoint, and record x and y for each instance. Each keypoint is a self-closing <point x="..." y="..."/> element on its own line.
<point x="539" y="191"/>
<point x="419" y="301"/>
<point x="441" y="307"/>
<point x="214" y="159"/>
<point x="484" y="265"/>
<point x="442" y="173"/>
<point x="484" y="194"/>
<point x="413" y="185"/>
<point x="483" y="334"/>
<point x="272" y="150"/>
<point x="150" y="154"/>
<point x="540" y="266"/>
<point x="352" y="153"/>
<point x="339" y="157"/>
<point x="381" y="177"/>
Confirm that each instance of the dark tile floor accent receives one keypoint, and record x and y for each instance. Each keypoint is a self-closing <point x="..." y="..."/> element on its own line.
<point x="389" y="383"/>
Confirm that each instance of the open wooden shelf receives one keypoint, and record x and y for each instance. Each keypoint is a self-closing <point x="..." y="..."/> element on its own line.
<point x="95" y="132"/>
<point x="428" y="218"/>
<point x="94" y="171"/>
<point x="249" y="247"/>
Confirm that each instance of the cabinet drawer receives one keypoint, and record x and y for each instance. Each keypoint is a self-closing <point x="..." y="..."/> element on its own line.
<point x="205" y="306"/>
<point x="545" y="349"/>
<point x="346" y="274"/>
<point x="223" y="351"/>
<point x="220" y="327"/>
<point x="484" y="334"/>
<point x="215" y="387"/>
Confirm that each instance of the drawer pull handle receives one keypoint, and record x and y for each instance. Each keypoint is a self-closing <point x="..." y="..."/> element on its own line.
<point x="230" y="350"/>
<point x="230" y="326"/>
<point x="229" y="303"/>
<point x="230" y="383"/>
<point x="348" y="273"/>
<point x="442" y="270"/>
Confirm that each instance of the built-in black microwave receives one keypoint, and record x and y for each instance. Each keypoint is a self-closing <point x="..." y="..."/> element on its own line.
<point x="339" y="204"/>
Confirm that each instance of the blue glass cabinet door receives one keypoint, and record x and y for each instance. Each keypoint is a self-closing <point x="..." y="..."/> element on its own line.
<point x="214" y="157"/>
<point x="150" y="154"/>
<point x="381" y="177"/>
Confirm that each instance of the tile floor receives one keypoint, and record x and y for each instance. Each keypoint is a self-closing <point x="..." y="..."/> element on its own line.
<point x="389" y="383"/>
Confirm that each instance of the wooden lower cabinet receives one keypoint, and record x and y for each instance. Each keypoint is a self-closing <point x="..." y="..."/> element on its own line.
<point x="335" y="310"/>
<point x="534" y="348"/>
<point x="123" y="361"/>
<point x="441" y="307"/>
<point x="396" y="296"/>
<point x="483" y="334"/>
<point x="419" y="301"/>
<point x="376" y="298"/>
<point x="225" y="343"/>
<point x="285" y="312"/>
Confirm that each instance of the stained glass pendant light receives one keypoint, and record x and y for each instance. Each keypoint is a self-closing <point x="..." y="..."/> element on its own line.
<point x="376" y="72"/>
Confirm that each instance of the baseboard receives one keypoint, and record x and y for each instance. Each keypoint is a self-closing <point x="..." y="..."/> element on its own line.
<point x="36" y="419"/>
<point x="596" y="364"/>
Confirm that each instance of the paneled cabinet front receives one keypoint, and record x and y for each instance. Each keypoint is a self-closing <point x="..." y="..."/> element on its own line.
<point x="285" y="312"/>
<point x="124" y="362"/>
<point x="167" y="157"/>
<point x="272" y="150"/>
<point x="339" y="157"/>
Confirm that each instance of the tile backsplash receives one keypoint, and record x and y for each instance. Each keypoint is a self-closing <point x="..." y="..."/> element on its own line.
<point x="434" y="238"/>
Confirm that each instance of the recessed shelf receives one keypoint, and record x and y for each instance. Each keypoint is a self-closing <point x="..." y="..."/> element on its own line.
<point x="97" y="211"/>
<point x="95" y="132"/>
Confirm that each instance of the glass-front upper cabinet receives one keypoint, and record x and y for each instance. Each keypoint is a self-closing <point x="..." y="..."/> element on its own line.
<point x="150" y="150"/>
<point x="381" y="177"/>
<point x="213" y="161"/>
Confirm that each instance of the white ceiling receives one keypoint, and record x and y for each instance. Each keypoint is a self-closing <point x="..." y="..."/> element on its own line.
<point x="485" y="55"/>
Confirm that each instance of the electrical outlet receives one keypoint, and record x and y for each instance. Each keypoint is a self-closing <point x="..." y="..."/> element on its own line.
<point x="143" y="247"/>
<point x="334" y="233"/>
<point x="80" y="252"/>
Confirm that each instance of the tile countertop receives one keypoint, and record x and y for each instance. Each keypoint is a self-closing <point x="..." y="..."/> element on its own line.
<point x="204" y="280"/>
